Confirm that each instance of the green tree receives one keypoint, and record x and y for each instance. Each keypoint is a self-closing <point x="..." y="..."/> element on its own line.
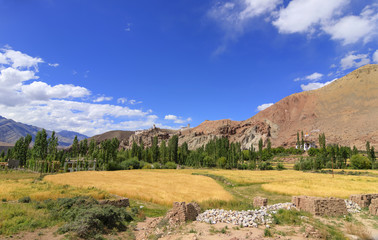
<point x="75" y="147"/>
<point x="41" y="146"/>
<point x="163" y="152"/>
<point x="372" y="157"/>
<point x="173" y="148"/>
<point x="53" y="145"/>
<point x="155" y="149"/>
<point x="302" y="141"/>
<point x="91" y="148"/>
<point x="269" y="146"/>
<point x="354" y="151"/>
<point x="260" y="147"/>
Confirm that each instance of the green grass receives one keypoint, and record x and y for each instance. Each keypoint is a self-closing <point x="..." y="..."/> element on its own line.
<point x="15" y="217"/>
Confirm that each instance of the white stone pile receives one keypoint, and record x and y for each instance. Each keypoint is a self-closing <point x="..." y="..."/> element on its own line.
<point x="249" y="218"/>
<point x="352" y="207"/>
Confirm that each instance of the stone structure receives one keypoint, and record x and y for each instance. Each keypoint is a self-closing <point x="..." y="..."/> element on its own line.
<point x="363" y="200"/>
<point x="182" y="212"/>
<point x="260" y="202"/>
<point x="373" y="208"/>
<point x="321" y="206"/>
<point x="122" y="202"/>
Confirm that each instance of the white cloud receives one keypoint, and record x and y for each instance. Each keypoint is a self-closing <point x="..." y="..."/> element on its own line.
<point x="62" y="106"/>
<point x="176" y="119"/>
<point x="21" y="60"/>
<point x="264" y="106"/>
<point x="234" y="15"/>
<point x="122" y="100"/>
<point x="42" y="91"/>
<point x="54" y="64"/>
<point x="351" y="29"/>
<point x="315" y="85"/>
<point x="375" y="57"/>
<point x="133" y="102"/>
<point x="312" y="77"/>
<point x="352" y="60"/>
<point x="302" y="16"/>
<point x="102" y="99"/>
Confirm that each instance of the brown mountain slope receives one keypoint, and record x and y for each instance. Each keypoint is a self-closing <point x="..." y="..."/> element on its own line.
<point x="345" y="110"/>
<point x="120" y="135"/>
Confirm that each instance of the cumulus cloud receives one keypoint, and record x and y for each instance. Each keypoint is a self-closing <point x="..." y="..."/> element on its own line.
<point x="304" y="15"/>
<point x="264" y="106"/>
<point x="311" y="17"/>
<point x="20" y="60"/>
<point x="62" y="106"/>
<point x="177" y="119"/>
<point x="312" y="77"/>
<point x="352" y="60"/>
<point x="122" y="100"/>
<point x="314" y="85"/>
<point x="375" y="57"/>
<point x="102" y="99"/>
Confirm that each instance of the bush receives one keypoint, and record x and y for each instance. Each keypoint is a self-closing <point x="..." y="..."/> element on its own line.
<point x="24" y="200"/>
<point x="265" y="166"/>
<point x="359" y="161"/>
<point x="312" y="152"/>
<point x="156" y="165"/>
<point x="113" y="166"/>
<point x="280" y="166"/>
<point x="222" y="162"/>
<point x="132" y="163"/>
<point x="242" y="166"/>
<point x="252" y="165"/>
<point x="86" y="217"/>
<point x="170" y="165"/>
<point x="147" y="166"/>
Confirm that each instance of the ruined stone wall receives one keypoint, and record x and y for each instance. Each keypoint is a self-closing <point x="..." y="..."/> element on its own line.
<point x="182" y="212"/>
<point x="373" y="208"/>
<point x="260" y="202"/>
<point x="363" y="200"/>
<point x="320" y="206"/>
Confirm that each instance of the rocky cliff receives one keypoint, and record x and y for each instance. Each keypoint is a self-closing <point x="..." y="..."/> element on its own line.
<point x="346" y="110"/>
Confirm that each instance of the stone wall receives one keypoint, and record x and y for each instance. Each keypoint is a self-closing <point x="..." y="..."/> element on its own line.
<point x="260" y="202"/>
<point x="373" y="208"/>
<point x="182" y="212"/>
<point x="321" y="206"/>
<point x="363" y="200"/>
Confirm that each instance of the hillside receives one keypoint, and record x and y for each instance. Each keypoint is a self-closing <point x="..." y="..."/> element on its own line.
<point x="11" y="131"/>
<point x="346" y="110"/>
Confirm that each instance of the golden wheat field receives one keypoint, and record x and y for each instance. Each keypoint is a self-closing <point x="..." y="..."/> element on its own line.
<point x="162" y="187"/>
<point x="292" y="182"/>
<point x="15" y="185"/>
<point x="166" y="186"/>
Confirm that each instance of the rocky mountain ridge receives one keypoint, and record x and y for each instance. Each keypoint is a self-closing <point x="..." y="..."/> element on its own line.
<point x="346" y="110"/>
<point x="11" y="131"/>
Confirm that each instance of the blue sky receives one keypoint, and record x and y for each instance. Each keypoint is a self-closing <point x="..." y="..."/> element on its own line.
<point x="92" y="66"/>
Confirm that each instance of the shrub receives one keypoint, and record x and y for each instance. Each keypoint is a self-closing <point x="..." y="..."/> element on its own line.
<point x="113" y="166"/>
<point x="242" y="166"/>
<point x="156" y="165"/>
<point x="132" y="163"/>
<point x="359" y="161"/>
<point x="312" y="152"/>
<point x="265" y="166"/>
<point x="24" y="200"/>
<point x="222" y="162"/>
<point x="147" y="166"/>
<point x="86" y="217"/>
<point x="170" y="165"/>
<point x="252" y="165"/>
<point x="280" y="166"/>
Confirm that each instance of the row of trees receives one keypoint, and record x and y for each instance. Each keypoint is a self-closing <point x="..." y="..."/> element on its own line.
<point x="336" y="156"/>
<point x="218" y="152"/>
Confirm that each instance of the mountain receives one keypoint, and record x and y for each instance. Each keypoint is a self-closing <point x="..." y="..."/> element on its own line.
<point x="11" y="131"/>
<point x="346" y="110"/>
